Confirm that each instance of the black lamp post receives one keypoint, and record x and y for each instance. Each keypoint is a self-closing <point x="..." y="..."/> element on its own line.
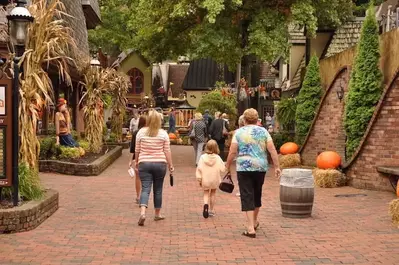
<point x="340" y="92"/>
<point x="18" y="22"/>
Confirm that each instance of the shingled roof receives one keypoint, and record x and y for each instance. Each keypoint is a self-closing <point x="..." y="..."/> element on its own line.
<point x="345" y="37"/>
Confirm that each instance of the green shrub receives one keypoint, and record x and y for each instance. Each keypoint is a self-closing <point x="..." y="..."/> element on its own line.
<point x="69" y="152"/>
<point x="85" y="145"/>
<point x="112" y="138"/>
<point x="280" y="138"/>
<point x="308" y="100"/>
<point x="46" y="145"/>
<point x="364" y="86"/>
<point x="286" y="111"/>
<point x="48" y="148"/>
<point x="75" y="135"/>
<point x="29" y="184"/>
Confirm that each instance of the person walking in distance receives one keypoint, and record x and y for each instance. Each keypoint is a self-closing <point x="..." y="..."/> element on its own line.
<point x="209" y="171"/>
<point x="198" y="127"/>
<point x="250" y="145"/>
<point x="141" y="124"/>
<point x="152" y="155"/>
<point x="218" y="132"/>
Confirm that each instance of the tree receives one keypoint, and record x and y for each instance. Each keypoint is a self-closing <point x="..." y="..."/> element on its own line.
<point x="214" y="101"/>
<point x="223" y="30"/>
<point x="365" y="85"/>
<point x="308" y="100"/>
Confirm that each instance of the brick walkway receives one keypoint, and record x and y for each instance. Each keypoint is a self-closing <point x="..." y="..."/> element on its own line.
<point x="97" y="224"/>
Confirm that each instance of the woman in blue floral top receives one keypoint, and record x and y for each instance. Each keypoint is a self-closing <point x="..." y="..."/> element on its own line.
<point x="250" y="145"/>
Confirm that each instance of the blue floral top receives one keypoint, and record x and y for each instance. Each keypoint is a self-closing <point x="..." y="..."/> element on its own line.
<point x="252" y="151"/>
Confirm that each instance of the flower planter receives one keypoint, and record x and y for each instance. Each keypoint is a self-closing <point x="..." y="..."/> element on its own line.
<point x="94" y="168"/>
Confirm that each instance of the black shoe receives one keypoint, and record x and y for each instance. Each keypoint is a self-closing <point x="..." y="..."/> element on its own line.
<point x="205" y="213"/>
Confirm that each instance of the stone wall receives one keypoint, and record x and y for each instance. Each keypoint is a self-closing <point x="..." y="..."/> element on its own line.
<point x="29" y="215"/>
<point x="327" y="132"/>
<point x="380" y="148"/>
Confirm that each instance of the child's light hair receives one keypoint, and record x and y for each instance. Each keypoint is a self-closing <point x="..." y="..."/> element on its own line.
<point x="212" y="147"/>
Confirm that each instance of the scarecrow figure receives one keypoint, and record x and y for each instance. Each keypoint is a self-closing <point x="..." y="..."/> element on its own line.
<point x="244" y="91"/>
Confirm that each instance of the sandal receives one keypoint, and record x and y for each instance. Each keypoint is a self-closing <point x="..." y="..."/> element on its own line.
<point x="159" y="218"/>
<point x="141" y="220"/>
<point x="205" y="212"/>
<point x="249" y="235"/>
<point x="257" y="226"/>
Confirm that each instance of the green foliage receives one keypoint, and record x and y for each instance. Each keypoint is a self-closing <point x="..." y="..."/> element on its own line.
<point x="48" y="148"/>
<point x="308" y="100"/>
<point x="30" y="187"/>
<point x="286" y="111"/>
<point x="85" y="145"/>
<point x="362" y="6"/>
<point x="75" y="134"/>
<point x="29" y="183"/>
<point x="107" y="99"/>
<point x="113" y="138"/>
<point x="214" y="101"/>
<point x="222" y="30"/>
<point x="69" y="152"/>
<point x="280" y="138"/>
<point x="365" y="85"/>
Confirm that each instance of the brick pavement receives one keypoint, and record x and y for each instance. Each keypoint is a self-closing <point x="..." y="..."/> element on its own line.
<point x="97" y="224"/>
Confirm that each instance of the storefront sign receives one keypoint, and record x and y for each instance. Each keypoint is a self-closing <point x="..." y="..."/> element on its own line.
<point x="5" y="132"/>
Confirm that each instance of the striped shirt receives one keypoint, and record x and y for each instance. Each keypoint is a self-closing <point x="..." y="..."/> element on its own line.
<point x="152" y="149"/>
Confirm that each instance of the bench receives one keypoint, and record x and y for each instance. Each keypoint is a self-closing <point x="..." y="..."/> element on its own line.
<point x="393" y="174"/>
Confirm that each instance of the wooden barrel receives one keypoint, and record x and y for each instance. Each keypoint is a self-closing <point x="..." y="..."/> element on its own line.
<point x="296" y="192"/>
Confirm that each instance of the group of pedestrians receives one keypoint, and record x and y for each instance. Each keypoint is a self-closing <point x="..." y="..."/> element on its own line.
<point x="250" y="143"/>
<point x="204" y="128"/>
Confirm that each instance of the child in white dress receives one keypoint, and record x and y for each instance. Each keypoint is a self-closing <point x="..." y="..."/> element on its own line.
<point x="209" y="172"/>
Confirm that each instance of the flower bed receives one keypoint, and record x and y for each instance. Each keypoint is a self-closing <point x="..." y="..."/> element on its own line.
<point x="29" y="215"/>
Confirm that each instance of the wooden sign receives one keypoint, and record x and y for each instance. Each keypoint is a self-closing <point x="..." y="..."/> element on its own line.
<point x="5" y="131"/>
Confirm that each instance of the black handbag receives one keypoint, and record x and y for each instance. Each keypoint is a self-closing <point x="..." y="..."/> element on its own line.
<point x="171" y="180"/>
<point x="227" y="184"/>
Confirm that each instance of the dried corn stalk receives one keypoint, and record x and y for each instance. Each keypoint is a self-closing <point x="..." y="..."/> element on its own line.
<point x="119" y="91"/>
<point x="93" y="109"/>
<point x="50" y="42"/>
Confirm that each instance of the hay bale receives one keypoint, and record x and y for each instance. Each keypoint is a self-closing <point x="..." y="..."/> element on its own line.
<point x="394" y="211"/>
<point x="287" y="161"/>
<point x="328" y="178"/>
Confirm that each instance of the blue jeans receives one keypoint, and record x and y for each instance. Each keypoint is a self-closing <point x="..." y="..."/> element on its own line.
<point x="149" y="173"/>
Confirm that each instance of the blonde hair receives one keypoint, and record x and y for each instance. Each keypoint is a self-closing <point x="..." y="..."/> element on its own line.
<point x="198" y="116"/>
<point x="251" y="116"/>
<point x="153" y="123"/>
<point x="224" y="116"/>
<point x="241" y="121"/>
<point x="212" y="147"/>
<point x="217" y="114"/>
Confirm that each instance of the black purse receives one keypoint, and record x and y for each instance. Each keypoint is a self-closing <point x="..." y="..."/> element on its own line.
<point x="171" y="180"/>
<point x="227" y="184"/>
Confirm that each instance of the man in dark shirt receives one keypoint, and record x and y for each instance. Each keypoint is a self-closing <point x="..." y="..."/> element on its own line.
<point x="216" y="133"/>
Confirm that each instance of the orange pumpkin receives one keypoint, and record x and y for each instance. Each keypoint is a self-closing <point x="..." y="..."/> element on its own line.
<point x="397" y="189"/>
<point x="172" y="136"/>
<point x="328" y="160"/>
<point x="289" y="148"/>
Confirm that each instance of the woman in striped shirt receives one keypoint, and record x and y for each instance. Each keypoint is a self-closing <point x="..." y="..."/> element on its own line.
<point x="152" y="156"/>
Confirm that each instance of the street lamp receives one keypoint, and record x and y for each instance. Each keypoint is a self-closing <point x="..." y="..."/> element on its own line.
<point x="95" y="63"/>
<point x="18" y="22"/>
